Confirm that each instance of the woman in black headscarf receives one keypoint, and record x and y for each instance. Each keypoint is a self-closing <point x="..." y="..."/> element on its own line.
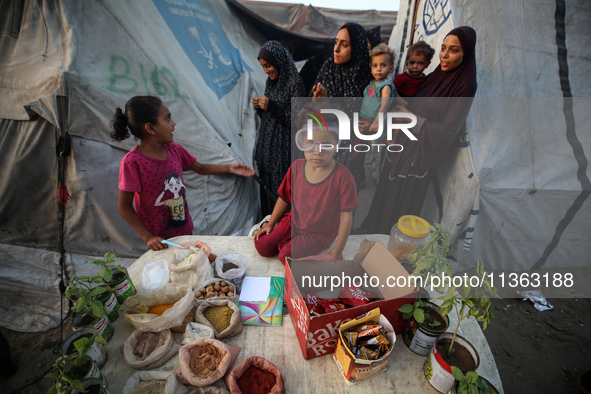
<point x="346" y="74"/>
<point x="273" y="149"/>
<point x="448" y="93"/>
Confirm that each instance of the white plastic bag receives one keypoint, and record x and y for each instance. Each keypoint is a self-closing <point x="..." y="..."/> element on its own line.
<point x="234" y="275"/>
<point x="173" y="386"/>
<point x="136" y="307"/>
<point x="155" y="275"/>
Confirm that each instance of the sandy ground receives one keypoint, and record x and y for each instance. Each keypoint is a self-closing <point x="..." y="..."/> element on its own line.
<point x="535" y="352"/>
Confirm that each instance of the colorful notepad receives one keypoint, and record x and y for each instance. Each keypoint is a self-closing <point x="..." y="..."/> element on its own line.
<point x="268" y="313"/>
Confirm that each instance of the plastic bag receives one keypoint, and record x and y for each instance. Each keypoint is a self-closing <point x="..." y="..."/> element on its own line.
<point x="231" y="379"/>
<point x="234" y="328"/>
<point x="155" y="275"/>
<point x="226" y="354"/>
<point x="173" y="386"/>
<point x="190" y="266"/>
<point x="212" y="281"/>
<point x="136" y="307"/>
<point x="234" y="275"/>
<point x="164" y="350"/>
<point x="197" y="330"/>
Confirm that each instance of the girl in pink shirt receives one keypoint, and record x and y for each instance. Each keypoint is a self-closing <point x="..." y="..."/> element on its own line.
<point x="152" y="194"/>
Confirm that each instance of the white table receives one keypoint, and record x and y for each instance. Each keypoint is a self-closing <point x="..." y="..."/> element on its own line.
<point x="279" y="345"/>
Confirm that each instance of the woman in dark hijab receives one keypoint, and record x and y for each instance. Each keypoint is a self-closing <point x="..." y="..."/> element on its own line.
<point x="406" y="176"/>
<point x="346" y="74"/>
<point x="273" y="149"/>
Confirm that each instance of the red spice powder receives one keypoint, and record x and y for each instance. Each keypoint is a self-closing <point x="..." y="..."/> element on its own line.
<point x="256" y="381"/>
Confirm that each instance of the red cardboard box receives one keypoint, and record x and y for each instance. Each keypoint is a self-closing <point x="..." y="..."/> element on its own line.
<point x="318" y="335"/>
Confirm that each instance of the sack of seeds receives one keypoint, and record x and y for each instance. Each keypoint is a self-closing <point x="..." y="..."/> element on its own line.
<point x="209" y="390"/>
<point x="197" y="330"/>
<point x="255" y="374"/>
<point x="164" y="308"/>
<point x="232" y="267"/>
<point x="143" y="382"/>
<point x="149" y="350"/>
<point x="216" y="289"/>
<point x="204" y="361"/>
<point x="222" y="315"/>
<point x="190" y="265"/>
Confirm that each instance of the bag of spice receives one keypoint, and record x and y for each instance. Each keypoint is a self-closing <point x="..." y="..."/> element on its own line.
<point x="210" y="390"/>
<point x="204" y="361"/>
<point x="255" y="375"/>
<point x="232" y="267"/>
<point x="175" y="300"/>
<point x="143" y="382"/>
<point x="216" y="289"/>
<point x="148" y="350"/>
<point x="190" y="265"/>
<point x="222" y="315"/>
<point x="197" y="330"/>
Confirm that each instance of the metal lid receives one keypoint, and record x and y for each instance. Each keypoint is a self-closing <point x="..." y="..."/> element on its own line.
<point x="413" y="226"/>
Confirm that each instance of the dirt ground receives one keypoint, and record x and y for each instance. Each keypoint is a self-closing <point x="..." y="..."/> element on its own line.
<point x="535" y="352"/>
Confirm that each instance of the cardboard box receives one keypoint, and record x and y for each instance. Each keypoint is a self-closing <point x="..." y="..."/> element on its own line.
<point x="356" y="370"/>
<point x="318" y="335"/>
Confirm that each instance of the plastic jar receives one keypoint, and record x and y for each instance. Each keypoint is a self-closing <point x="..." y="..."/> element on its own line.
<point x="406" y="235"/>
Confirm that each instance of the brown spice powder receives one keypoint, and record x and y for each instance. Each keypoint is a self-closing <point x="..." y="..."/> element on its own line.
<point x="147" y="342"/>
<point x="204" y="360"/>
<point x="219" y="317"/>
<point x="150" y="387"/>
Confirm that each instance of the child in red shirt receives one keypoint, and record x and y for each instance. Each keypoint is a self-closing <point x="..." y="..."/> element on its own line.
<point x="418" y="59"/>
<point x="323" y="196"/>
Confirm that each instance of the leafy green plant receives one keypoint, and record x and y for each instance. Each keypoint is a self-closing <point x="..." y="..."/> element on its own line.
<point x="86" y="303"/>
<point x="470" y="383"/>
<point x="428" y="259"/>
<point x="471" y="302"/>
<point x="106" y="267"/>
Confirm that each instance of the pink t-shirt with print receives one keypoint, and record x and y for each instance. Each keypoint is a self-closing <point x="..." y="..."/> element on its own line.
<point x="160" y="193"/>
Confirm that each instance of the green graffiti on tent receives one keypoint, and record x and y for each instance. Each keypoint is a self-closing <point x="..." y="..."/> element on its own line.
<point x="160" y="81"/>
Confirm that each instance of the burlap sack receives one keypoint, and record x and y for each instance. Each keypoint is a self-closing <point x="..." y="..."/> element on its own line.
<point x="173" y="386"/>
<point x="235" y="326"/>
<point x="231" y="379"/>
<point x="186" y="375"/>
<point x="164" y="352"/>
<point x="136" y="307"/>
<point x="198" y="268"/>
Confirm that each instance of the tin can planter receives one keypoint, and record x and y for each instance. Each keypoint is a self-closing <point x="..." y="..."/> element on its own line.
<point x="420" y="337"/>
<point x="89" y="370"/>
<point x="438" y="370"/>
<point x="101" y="326"/>
<point x="111" y="305"/>
<point x="123" y="285"/>
<point x="96" y="352"/>
<point x="92" y="386"/>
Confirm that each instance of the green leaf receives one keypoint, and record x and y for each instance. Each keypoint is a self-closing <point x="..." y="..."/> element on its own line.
<point x="100" y="339"/>
<point x="107" y="274"/>
<point x="472" y="390"/>
<point x="406" y="308"/>
<point x="75" y="383"/>
<point x="457" y="373"/>
<point x="418" y="315"/>
<point x="98" y="290"/>
<point x="471" y="376"/>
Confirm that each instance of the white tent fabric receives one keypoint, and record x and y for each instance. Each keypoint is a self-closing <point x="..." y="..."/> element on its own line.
<point x="194" y="54"/>
<point x="528" y="131"/>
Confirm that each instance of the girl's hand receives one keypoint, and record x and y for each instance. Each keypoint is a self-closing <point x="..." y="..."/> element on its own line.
<point x="155" y="243"/>
<point x="319" y="91"/>
<point x="241" y="169"/>
<point x="364" y="125"/>
<point x="263" y="103"/>
<point x="266" y="229"/>
<point x="336" y="255"/>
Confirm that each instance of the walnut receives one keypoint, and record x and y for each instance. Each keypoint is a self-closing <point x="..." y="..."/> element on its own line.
<point x="230" y="294"/>
<point x="223" y="284"/>
<point x="209" y="294"/>
<point x="217" y="288"/>
<point x="226" y="289"/>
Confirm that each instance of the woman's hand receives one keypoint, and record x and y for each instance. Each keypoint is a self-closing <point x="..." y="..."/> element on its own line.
<point x="240" y="169"/>
<point x="261" y="102"/>
<point x="319" y="91"/>
<point x="255" y="102"/>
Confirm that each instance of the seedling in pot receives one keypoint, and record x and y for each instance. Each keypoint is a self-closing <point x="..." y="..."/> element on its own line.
<point x="470" y="383"/>
<point x="106" y="267"/>
<point x="473" y="302"/>
<point x="86" y="303"/>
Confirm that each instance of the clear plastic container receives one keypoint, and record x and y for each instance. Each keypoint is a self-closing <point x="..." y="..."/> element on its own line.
<point x="406" y="235"/>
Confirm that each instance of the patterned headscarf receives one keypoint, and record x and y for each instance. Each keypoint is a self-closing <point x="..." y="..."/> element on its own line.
<point x="279" y="57"/>
<point x="349" y="79"/>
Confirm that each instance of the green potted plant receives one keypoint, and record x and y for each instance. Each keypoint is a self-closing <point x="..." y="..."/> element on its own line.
<point x="425" y="319"/>
<point x="82" y="293"/>
<point x="470" y="383"/>
<point x="89" y="312"/>
<point x="451" y="349"/>
<point x="116" y="276"/>
<point x="86" y="339"/>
